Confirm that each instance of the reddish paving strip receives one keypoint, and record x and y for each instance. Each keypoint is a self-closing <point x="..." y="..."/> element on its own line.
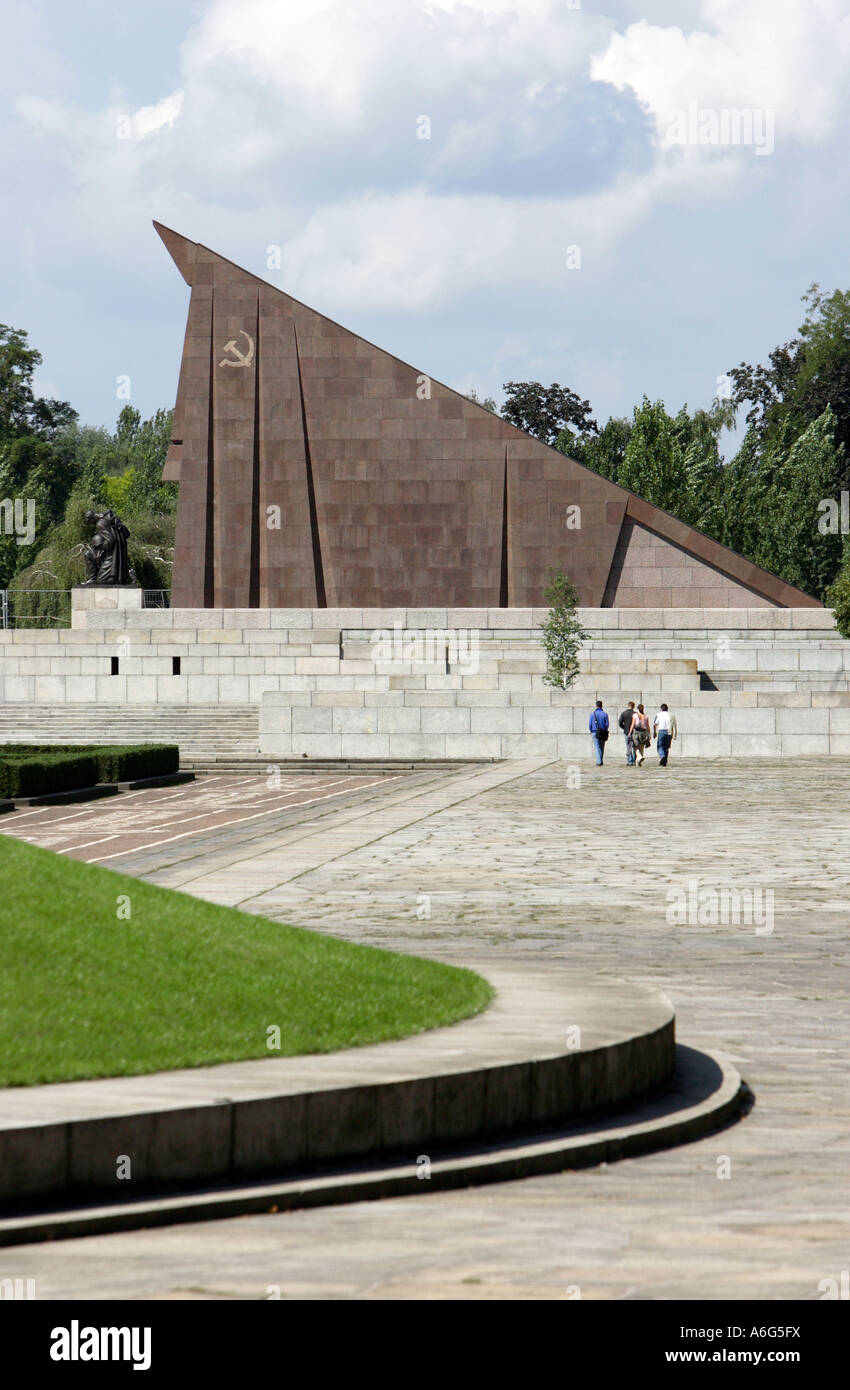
<point x="133" y="821"/>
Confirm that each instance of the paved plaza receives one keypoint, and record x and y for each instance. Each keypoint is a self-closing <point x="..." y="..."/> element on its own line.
<point x="588" y="868"/>
<point x="146" y="821"/>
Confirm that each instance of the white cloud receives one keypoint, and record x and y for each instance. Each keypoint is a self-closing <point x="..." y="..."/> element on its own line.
<point x="296" y="124"/>
<point x="339" y="62"/>
<point x="762" y="54"/>
<point x="410" y="252"/>
<point x="300" y="121"/>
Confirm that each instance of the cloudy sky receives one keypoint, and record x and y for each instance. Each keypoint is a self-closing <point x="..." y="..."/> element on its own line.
<point x="625" y="196"/>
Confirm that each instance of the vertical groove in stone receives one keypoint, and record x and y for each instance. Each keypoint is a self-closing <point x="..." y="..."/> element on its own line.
<point x="503" y="595"/>
<point x="209" y="530"/>
<point x="609" y="598"/>
<point x="318" y="568"/>
<point x="254" y="572"/>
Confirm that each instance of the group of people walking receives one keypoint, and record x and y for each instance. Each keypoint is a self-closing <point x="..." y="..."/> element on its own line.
<point x="636" y="730"/>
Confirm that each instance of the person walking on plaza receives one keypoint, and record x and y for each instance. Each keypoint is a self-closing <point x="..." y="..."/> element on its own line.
<point x="625" y="723"/>
<point x="641" y="737"/>
<point x="664" y="730"/>
<point x="599" y="732"/>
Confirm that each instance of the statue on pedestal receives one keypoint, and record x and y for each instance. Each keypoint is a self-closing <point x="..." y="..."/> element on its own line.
<point x="106" y="557"/>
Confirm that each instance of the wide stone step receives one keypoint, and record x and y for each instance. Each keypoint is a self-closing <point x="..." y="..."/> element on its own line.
<point x="777" y="680"/>
<point x="362" y="767"/>
<point x="704" y="1093"/>
<point x="195" y="729"/>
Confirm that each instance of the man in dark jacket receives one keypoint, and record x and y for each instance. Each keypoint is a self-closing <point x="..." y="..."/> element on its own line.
<point x="625" y="723"/>
<point x="599" y="731"/>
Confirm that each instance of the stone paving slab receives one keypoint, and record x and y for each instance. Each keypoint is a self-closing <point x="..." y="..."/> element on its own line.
<point x="234" y="869"/>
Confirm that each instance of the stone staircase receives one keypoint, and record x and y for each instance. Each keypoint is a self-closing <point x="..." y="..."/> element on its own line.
<point x="203" y="732"/>
<point x="776" y="681"/>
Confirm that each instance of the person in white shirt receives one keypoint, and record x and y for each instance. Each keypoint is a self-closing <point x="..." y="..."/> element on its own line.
<point x="664" y="730"/>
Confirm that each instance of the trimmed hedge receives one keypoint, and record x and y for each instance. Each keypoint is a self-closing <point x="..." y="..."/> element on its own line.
<point x="41" y="773"/>
<point x="132" y="761"/>
<point x="31" y="769"/>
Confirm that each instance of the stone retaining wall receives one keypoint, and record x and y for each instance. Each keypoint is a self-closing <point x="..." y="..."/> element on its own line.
<point x="443" y="683"/>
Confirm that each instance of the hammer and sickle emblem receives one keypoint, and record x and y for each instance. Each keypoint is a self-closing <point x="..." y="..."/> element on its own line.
<point x="243" y="359"/>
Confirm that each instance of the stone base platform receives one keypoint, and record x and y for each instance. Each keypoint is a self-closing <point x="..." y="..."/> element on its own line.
<point x="563" y="1070"/>
<point x="552" y="1047"/>
<point x="421" y="684"/>
<point x="703" y="1094"/>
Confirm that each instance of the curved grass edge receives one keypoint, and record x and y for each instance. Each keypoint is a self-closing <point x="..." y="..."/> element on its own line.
<point x="103" y="975"/>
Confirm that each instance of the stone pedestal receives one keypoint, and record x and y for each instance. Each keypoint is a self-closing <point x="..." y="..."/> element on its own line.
<point x="109" y="599"/>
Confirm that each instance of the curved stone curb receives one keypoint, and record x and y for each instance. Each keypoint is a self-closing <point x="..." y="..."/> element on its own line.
<point x="554" y="1045"/>
<point x="704" y="1094"/>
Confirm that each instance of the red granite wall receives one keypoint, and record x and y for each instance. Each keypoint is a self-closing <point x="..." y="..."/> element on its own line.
<point x="651" y="572"/>
<point x="317" y="470"/>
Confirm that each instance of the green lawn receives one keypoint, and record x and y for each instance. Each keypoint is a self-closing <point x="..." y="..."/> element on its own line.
<point x="184" y="983"/>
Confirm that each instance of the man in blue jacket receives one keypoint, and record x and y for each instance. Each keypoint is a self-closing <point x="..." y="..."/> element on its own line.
<point x="599" y="732"/>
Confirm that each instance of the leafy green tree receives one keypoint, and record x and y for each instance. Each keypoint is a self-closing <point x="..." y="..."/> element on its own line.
<point x="769" y="503"/>
<point x="118" y="489"/>
<point x="34" y="470"/>
<point x="653" y="464"/>
<point x="742" y="490"/>
<point x="31" y="473"/>
<point x="546" y="411"/>
<point x="146" y="452"/>
<point x="799" y="478"/>
<point x="60" y="562"/>
<point x="804" y="376"/>
<point x="824" y="377"/>
<point x="603" y="452"/>
<point x="765" y="389"/>
<point x="838" y="595"/>
<point x="698" y="436"/>
<point x="701" y="506"/>
<point x="21" y="411"/>
<point x="58" y="565"/>
<point x="562" y="632"/>
<point x="137" y="445"/>
<point x="122" y="470"/>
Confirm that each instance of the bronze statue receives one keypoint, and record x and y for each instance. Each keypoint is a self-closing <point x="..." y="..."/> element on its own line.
<point x="106" y="557"/>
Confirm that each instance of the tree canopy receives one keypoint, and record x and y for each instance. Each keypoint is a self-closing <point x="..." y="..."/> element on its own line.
<point x="764" y="501"/>
<point x="57" y="469"/>
<point x="545" y="411"/>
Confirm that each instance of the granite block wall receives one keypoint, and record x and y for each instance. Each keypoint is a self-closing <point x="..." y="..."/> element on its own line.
<point x="422" y="683"/>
